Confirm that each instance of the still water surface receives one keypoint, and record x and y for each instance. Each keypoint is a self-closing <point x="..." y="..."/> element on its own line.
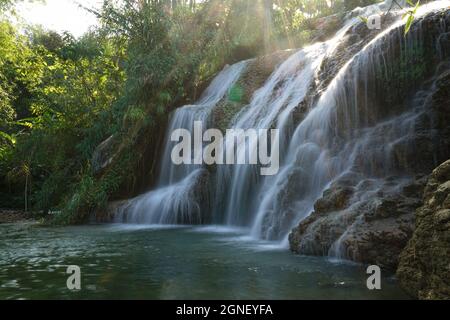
<point x="145" y="262"/>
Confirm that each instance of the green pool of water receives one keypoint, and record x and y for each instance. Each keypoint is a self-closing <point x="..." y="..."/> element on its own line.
<point x="135" y="262"/>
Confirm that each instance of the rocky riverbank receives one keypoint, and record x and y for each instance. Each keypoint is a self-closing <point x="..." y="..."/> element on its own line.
<point x="408" y="228"/>
<point x="12" y="216"/>
<point x="367" y="221"/>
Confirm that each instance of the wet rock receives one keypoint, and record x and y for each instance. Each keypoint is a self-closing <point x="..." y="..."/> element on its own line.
<point x="429" y="144"/>
<point x="369" y="222"/>
<point x="335" y="198"/>
<point x="325" y="27"/>
<point x="259" y="70"/>
<point x="253" y="78"/>
<point x="12" y="216"/>
<point x="424" y="268"/>
<point x="354" y="40"/>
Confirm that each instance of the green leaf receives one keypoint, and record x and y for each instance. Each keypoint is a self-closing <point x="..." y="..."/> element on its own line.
<point x="7" y="137"/>
<point x="409" y="23"/>
<point x="416" y="6"/>
<point x="28" y="123"/>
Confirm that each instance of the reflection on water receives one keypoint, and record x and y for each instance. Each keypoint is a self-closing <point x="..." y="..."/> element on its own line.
<point x="145" y="262"/>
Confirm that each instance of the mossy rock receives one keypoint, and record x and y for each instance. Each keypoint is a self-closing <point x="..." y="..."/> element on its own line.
<point x="424" y="269"/>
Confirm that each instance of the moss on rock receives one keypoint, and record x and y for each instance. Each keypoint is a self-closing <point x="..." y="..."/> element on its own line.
<point x="240" y="95"/>
<point x="424" y="269"/>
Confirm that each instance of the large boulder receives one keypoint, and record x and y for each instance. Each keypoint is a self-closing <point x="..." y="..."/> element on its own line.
<point x="369" y="221"/>
<point x="424" y="269"/>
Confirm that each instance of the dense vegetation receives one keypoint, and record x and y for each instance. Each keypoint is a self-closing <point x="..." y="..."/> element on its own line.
<point x="61" y="96"/>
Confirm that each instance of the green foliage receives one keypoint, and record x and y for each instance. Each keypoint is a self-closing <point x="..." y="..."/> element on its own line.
<point x="56" y="97"/>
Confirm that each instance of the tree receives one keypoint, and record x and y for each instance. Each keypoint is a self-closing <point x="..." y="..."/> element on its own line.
<point x="56" y="96"/>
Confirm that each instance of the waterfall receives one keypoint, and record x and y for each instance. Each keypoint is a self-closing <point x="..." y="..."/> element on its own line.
<point x="269" y="107"/>
<point x="177" y="198"/>
<point x="340" y="135"/>
<point x="184" y="117"/>
<point x="348" y="127"/>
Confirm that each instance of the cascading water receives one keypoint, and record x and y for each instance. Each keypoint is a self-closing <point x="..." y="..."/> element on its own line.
<point x="350" y="129"/>
<point x="343" y="133"/>
<point x="174" y="201"/>
<point x="292" y="80"/>
<point x="271" y="106"/>
<point x="184" y="118"/>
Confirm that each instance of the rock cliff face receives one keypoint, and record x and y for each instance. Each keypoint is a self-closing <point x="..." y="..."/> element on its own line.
<point x="368" y="214"/>
<point x="424" y="269"/>
<point x="371" y="220"/>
